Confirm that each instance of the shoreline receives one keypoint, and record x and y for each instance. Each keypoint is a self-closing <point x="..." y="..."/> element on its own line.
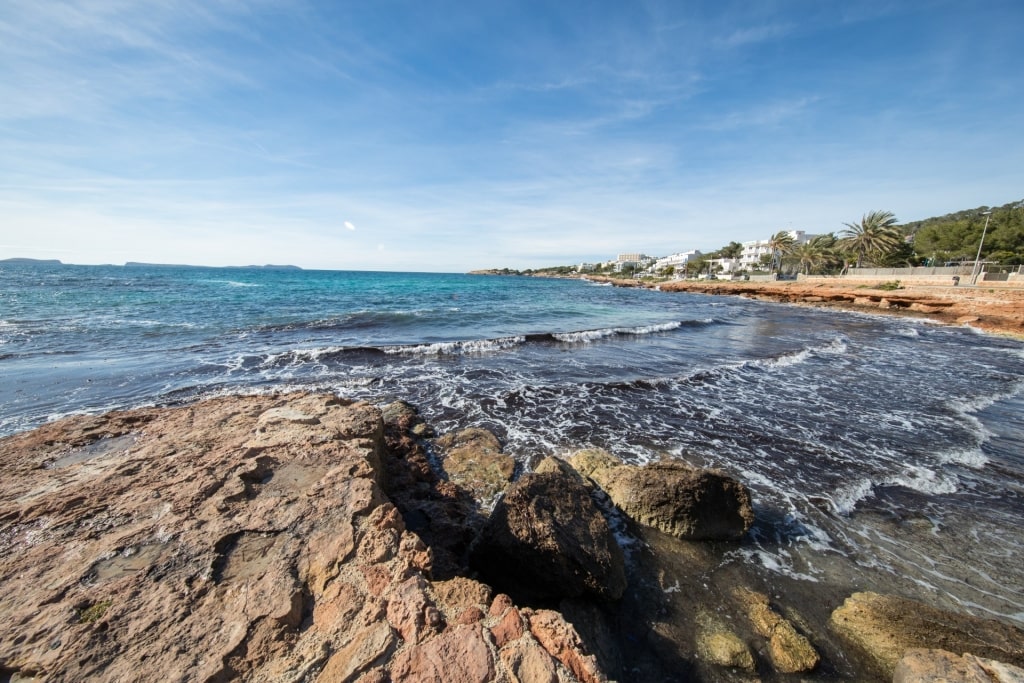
<point x="993" y="310"/>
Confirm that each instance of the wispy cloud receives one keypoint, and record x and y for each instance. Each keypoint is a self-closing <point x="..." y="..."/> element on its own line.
<point x="754" y="34"/>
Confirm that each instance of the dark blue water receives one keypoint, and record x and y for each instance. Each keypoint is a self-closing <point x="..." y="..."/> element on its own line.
<point x="882" y="452"/>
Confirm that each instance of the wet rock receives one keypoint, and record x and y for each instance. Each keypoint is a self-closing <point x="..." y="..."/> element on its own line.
<point x="791" y="652"/>
<point x="718" y="644"/>
<point x="547" y="539"/>
<point x="927" y="666"/>
<point x="884" y="627"/>
<point x="473" y="460"/>
<point x="271" y="553"/>
<point x="681" y="500"/>
<point x="725" y="648"/>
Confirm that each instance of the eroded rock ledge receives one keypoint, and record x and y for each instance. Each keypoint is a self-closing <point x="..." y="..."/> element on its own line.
<point x="240" y="538"/>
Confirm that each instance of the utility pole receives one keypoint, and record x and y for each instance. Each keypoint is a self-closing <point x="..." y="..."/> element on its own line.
<point x="975" y="271"/>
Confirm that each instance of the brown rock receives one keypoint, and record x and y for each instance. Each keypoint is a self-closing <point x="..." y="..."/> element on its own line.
<point x="791" y="652"/>
<point x="411" y="612"/>
<point x="717" y="644"/>
<point x="547" y="539"/>
<point x="725" y="649"/>
<point x="459" y="655"/>
<point x="528" y="662"/>
<point x="681" y="500"/>
<point x="562" y="642"/>
<point x="884" y="627"/>
<point x="456" y="596"/>
<point x="366" y="649"/>
<point x="586" y="461"/>
<point x="241" y="538"/>
<point x="475" y="462"/>
<point x="509" y="628"/>
<point x="927" y="666"/>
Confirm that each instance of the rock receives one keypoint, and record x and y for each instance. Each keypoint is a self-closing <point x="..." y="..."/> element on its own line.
<point x="473" y="460"/>
<point x="884" y="627"/>
<point x="725" y="648"/>
<point x="681" y="500"/>
<point x="926" y="666"/>
<point x="562" y="642"/>
<point x="547" y="539"/>
<point x="586" y="461"/>
<point x="528" y="662"/>
<point x="459" y="655"/>
<point x="240" y="538"/>
<point x="559" y="466"/>
<point x="791" y="652"/>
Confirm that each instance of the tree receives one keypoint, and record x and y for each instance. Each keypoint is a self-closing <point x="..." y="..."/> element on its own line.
<point x="815" y="255"/>
<point x="874" y="236"/>
<point x="731" y="250"/>
<point x="780" y="244"/>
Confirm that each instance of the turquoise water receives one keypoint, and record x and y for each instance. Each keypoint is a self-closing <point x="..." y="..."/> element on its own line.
<point x="880" y="451"/>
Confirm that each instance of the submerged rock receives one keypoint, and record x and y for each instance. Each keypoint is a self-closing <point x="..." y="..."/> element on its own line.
<point x="547" y="539"/>
<point x="240" y="538"/>
<point x="679" y="499"/>
<point x="884" y="627"/>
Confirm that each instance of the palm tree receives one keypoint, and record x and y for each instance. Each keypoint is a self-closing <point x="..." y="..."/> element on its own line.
<point x="780" y="244"/>
<point x="815" y="254"/>
<point x="875" y="235"/>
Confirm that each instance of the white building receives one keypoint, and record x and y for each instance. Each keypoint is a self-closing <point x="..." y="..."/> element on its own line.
<point x="753" y="251"/>
<point x="676" y="260"/>
<point x="631" y="262"/>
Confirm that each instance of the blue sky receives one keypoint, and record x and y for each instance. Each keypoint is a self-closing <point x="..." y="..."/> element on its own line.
<point x="444" y="136"/>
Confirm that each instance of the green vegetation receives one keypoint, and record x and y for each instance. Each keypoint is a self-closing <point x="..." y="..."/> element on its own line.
<point x="871" y="239"/>
<point x="93" y="612"/>
<point x="890" y="286"/>
<point x="955" y="236"/>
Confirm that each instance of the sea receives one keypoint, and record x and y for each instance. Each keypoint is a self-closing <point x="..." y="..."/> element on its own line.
<point x="881" y="452"/>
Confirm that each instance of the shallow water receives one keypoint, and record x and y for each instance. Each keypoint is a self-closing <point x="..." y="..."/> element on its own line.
<point x="880" y="451"/>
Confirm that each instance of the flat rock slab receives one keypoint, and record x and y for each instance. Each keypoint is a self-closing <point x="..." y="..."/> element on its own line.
<point x="240" y="538"/>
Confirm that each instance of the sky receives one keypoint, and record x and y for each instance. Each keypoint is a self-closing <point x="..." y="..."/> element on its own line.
<point x="448" y="136"/>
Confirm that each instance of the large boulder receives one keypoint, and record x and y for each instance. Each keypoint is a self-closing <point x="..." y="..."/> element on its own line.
<point x="685" y="501"/>
<point x="241" y="538"/>
<point x="474" y="461"/>
<point x="884" y="627"/>
<point x="547" y="539"/>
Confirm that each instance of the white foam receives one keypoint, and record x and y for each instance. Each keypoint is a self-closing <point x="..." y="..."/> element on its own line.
<point x="845" y="499"/>
<point x="971" y="457"/>
<point x="586" y="336"/>
<point x="457" y="347"/>
<point x="924" y="480"/>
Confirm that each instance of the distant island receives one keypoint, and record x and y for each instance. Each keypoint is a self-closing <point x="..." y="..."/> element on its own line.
<point x="138" y="264"/>
<point x="33" y="261"/>
<point x="268" y="266"/>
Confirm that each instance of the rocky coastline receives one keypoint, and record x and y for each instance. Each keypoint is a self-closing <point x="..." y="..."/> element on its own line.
<point x="997" y="310"/>
<point x="302" y="537"/>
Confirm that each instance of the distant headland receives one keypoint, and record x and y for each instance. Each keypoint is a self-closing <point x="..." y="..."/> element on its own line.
<point x="139" y="264"/>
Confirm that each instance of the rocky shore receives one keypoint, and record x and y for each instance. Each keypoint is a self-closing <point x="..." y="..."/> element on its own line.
<point x="996" y="310"/>
<point x="302" y="537"/>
